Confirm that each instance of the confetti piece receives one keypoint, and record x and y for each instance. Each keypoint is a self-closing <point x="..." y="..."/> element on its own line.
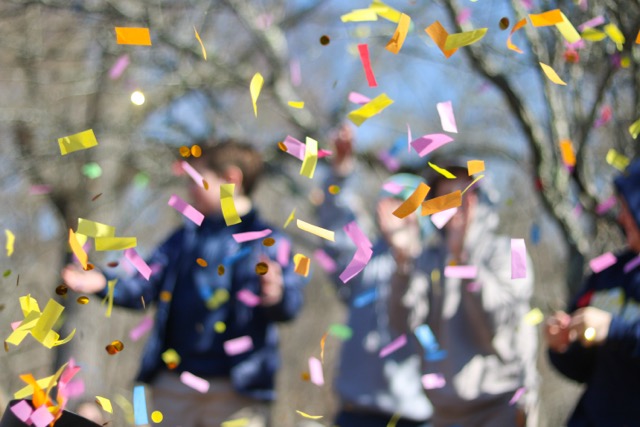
<point x="296" y="104"/>
<point x="290" y="218"/>
<point x="440" y="219"/>
<point x="41" y="417"/>
<point x="472" y="184"/>
<point x="315" y="371"/>
<point x="302" y="264"/>
<point x="142" y="328"/>
<point x="115" y="243"/>
<point x="442" y="171"/>
<point x="238" y="345"/>
<point x="397" y="40"/>
<point x="94" y="229"/>
<point x="311" y="417"/>
<point x="139" y="406"/>
<point x="617" y="160"/>
<point x="119" y="67"/>
<point x="475" y="166"/>
<point x="365" y="298"/>
<point x="358" y="98"/>
<point x="631" y="265"/>
<point x="634" y="129"/>
<point x="360" y="15"/>
<point x="315" y="230"/>
<point x="111" y="285"/>
<point x="546" y="19"/>
<point x="638" y="38"/>
<point x="134" y="36"/>
<point x="204" y="51"/>
<point x="254" y="88"/>
<point x="229" y="211"/>
<point x="370" y="109"/>
<point x="438" y="204"/>
<point x="439" y="35"/>
<point x="262" y="268"/>
<point x="461" y="271"/>
<point x="385" y="11"/>
<point x="428" y="143"/>
<point x="342" y="332"/>
<point x="78" y="141"/>
<point x="551" y="74"/>
<point x="219" y="327"/>
<point x="194" y="174"/>
<point x="171" y="358"/>
<point x="413" y="201"/>
<point x="433" y="381"/>
<point x="310" y="158"/>
<point x="11" y="238"/>
<point x="362" y="255"/>
<point x="251" y="235"/>
<point x="567" y="30"/>
<point x="325" y="40"/>
<point x="515" y="28"/>
<point x="605" y="206"/>
<point x="517" y="395"/>
<point x="568" y="155"/>
<point x="198" y="384"/>
<point x="593" y="35"/>
<point x="503" y="23"/>
<point x="534" y="317"/>
<point x="156" y="416"/>
<point x="248" y="298"/>
<point x="325" y="261"/>
<point x="615" y="35"/>
<point x="518" y="259"/>
<point x="593" y="22"/>
<point x="189" y="211"/>
<point x="77" y="249"/>
<point x="22" y="410"/>
<point x="104" y="404"/>
<point x="602" y="262"/>
<point x="393" y="346"/>
<point x="136" y="260"/>
<point x="363" y="49"/>
<point x="447" y="119"/>
<point x="458" y="40"/>
<point x="38" y="190"/>
<point x="283" y="252"/>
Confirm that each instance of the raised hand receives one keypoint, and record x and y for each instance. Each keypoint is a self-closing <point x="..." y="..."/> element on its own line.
<point x="80" y="280"/>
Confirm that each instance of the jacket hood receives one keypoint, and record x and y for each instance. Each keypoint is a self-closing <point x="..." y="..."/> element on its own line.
<point x="628" y="186"/>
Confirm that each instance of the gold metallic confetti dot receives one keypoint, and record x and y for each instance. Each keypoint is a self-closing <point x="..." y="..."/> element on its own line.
<point x="262" y="268"/>
<point x="165" y="296"/>
<point x="89" y="267"/>
<point x="269" y="241"/>
<point x="201" y="262"/>
<point x="117" y="344"/>
<point x="504" y="23"/>
<point x="220" y="270"/>
<point x="325" y="40"/>
<point x="157" y="417"/>
<point x="205" y="184"/>
<point x="334" y="189"/>
<point x="111" y="349"/>
<point x="184" y="151"/>
<point x="83" y="300"/>
<point x="305" y="376"/>
<point x="219" y="327"/>
<point x="62" y="290"/>
<point x="196" y="151"/>
<point x="282" y="147"/>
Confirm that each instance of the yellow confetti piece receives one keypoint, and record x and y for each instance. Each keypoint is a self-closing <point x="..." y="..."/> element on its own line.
<point x="105" y="404"/>
<point x="157" y="417"/>
<point x="385" y="11"/>
<point x="394" y="420"/>
<point x="171" y="358"/>
<point x="310" y="158"/>
<point x="238" y="422"/>
<point x="318" y="231"/>
<point x="28" y="390"/>
<point x="634" y="130"/>
<point x="475" y="166"/>
<point x="413" y="201"/>
<point x="204" y="51"/>
<point x="371" y="108"/>
<point x="302" y="264"/>
<point x="593" y="35"/>
<point x="311" y="417"/>
<point x="567" y="30"/>
<point x="615" y="35"/>
<point x="551" y="74"/>
<point x="437" y="204"/>
<point x="568" y="155"/>
<point x="458" y="40"/>
<point x="534" y="317"/>
<point x="472" y="183"/>
<point x="439" y="35"/>
<point x="291" y="217"/>
<point x="94" y="229"/>
<point x="76" y="247"/>
<point x="78" y="141"/>
<point x="229" y="211"/>
<point x="296" y="104"/>
<point x="11" y="238"/>
<point x="135" y="36"/>
<point x="115" y="243"/>
<point x="219" y="327"/>
<point x="617" y="160"/>
<point x="397" y="40"/>
<point x="360" y="15"/>
<point x="442" y="171"/>
<point x="254" y="88"/>
<point x="111" y="285"/>
<point x="48" y="318"/>
<point x="515" y="28"/>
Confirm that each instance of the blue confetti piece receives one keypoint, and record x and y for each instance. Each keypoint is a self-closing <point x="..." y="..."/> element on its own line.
<point x="535" y="233"/>
<point x="435" y="356"/>
<point x="366" y="297"/>
<point x="231" y="259"/>
<point x="139" y="406"/>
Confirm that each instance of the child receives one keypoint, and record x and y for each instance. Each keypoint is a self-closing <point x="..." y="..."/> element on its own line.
<point x="198" y="308"/>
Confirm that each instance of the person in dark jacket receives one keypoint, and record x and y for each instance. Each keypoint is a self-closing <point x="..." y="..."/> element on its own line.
<point x="219" y="321"/>
<point x="598" y="341"/>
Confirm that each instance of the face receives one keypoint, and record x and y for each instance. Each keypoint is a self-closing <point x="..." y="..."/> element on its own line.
<point x="206" y="201"/>
<point x="629" y="225"/>
<point x="457" y="225"/>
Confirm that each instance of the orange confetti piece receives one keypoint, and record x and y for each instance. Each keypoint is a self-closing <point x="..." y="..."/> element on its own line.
<point x="475" y="166"/>
<point x="437" y="204"/>
<point x="515" y="28"/>
<point x="439" y="35"/>
<point x="638" y="38"/>
<point x="76" y="247"/>
<point x="322" y="342"/>
<point x="546" y="19"/>
<point x="302" y="264"/>
<point x="413" y="202"/>
<point x="568" y="155"/>
<point x="399" y="36"/>
<point x="201" y="262"/>
<point x="204" y="51"/>
<point x="134" y="36"/>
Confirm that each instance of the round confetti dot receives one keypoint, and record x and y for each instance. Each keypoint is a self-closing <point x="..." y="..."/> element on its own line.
<point x="165" y="296"/>
<point x="219" y="327"/>
<point x="222" y="295"/>
<point x="325" y="40"/>
<point x="111" y="349"/>
<point x="157" y="417"/>
<point x="305" y="376"/>
<point x="334" y="189"/>
<point x="89" y="267"/>
<point x="282" y="147"/>
<point x="201" y="262"/>
<point x="205" y="184"/>
<point x="220" y="270"/>
<point x="6" y="273"/>
<point x="262" y="268"/>
<point x="269" y="241"/>
<point x="112" y="264"/>
<point x="117" y="344"/>
<point x="504" y="23"/>
<point x="184" y="151"/>
<point x="83" y="300"/>
<point x="625" y="62"/>
<point x="62" y="290"/>
<point x="196" y="151"/>
<point x="435" y="276"/>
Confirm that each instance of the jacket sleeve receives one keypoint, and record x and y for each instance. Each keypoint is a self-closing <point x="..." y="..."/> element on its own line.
<point x="624" y="337"/>
<point x="129" y="292"/>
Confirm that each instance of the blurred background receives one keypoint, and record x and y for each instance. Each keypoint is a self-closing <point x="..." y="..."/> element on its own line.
<point x="62" y="72"/>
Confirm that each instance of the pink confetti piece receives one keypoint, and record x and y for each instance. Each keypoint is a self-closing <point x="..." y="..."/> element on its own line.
<point x="41" y="417"/>
<point x="363" y="49"/>
<point x="324" y="153"/>
<point x="248" y="298"/>
<point x="14" y="325"/>
<point x="38" y="190"/>
<point x="463" y="16"/>
<point x="392" y="187"/>
<point x="474" y="286"/>
<point x="517" y="395"/>
<point x="142" y="328"/>
<point x="74" y="389"/>
<point x="194" y="174"/>
<point x="358" y="98"/>
<point x="186" y="209"/>
<point x="136" y="260"/>
<point x="440" y="219"/>
<point x="602" y="262"/>
<point x="22" y="410"/>
<point x="433" y="381"/>
<point x="447" y="119"/>
<point x="198" y="384"/>
<point x="325" y="261"/>
<point x="294" y="147"/>
<point x="283" y="253"/>
<point x="518" y="259"/>
<point x="393" y="346"/>
<point x="428" y="143"/>
<point x="315" y="371"/>
<point x="357" y="235"/>
<point x="238" y="345"/>
<point x="118" y="67"/>
<point x="296" y="72"/>
<point x="461" y="271"/>
<point x="392" y="164"/>
<point x="605" y="206"/>
<point x="251" y="235"/>
<point x="593" y="22"/>
<point x="631" y="265"/>
<point x="605" y="117"/>
<point x="362" y="255"/>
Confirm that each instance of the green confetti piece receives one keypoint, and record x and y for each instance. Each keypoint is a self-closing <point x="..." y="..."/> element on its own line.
<point x="342" y="332"/>
<point x="7" y="273"/>
<point x="141" y="179"/>
<point x="92" y="170"/>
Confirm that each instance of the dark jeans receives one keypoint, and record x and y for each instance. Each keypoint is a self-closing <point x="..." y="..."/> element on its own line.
<point x="357" y="419"/>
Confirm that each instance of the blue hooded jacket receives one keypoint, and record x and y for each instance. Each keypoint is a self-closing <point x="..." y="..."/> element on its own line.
<point x="611" y="371"/>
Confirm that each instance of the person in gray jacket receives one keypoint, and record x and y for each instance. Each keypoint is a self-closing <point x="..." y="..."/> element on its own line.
<point x="375" y="389"/>
<point x="479" y="354"/>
